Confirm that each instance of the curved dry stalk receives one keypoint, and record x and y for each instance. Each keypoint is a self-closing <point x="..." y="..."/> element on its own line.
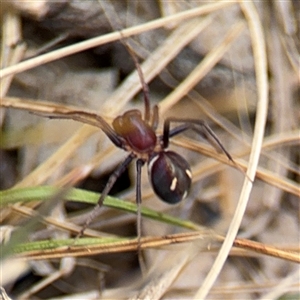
<point x="259" y="53"/>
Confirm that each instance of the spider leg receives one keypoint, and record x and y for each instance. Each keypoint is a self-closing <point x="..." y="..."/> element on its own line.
<point x="155" y="118"/>
<point x="145" y="87"/>
<point x="143" y="82"/>
<point x="111" y="181"/>
<point x="115" y="23"/>
<point x="198" y="126"/>
<point x="91" y="119"/>
<point x="139" y="165"/>
<point x="167" y="134"/>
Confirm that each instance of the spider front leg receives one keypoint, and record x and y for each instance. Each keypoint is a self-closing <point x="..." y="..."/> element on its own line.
<point x="198" y="126"/>
<point x="87" y="118"/>
<point x="110" y="183"/>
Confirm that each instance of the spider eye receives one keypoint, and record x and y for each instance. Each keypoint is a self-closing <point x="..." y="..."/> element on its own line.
<point x="170" y="176"/>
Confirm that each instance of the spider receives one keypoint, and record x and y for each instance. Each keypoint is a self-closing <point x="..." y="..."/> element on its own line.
<point x="169" y="173"/>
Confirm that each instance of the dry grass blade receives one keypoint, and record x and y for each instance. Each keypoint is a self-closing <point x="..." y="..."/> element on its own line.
<point x="283" y="287"/>
<point x="42" y="59"/>
<point x="202" y="62"/>
<point x="162" y="276"/>
<point x="13" y="49"/>
<point x="202" y="69"/>
<point x="259" y="52"/>
<point x="261" y="173"/>
<point x="113" y="244"/>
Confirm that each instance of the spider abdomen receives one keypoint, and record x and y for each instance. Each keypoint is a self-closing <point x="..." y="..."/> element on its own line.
<point x="170" y="176"/>
<point x="137" y="133"/>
